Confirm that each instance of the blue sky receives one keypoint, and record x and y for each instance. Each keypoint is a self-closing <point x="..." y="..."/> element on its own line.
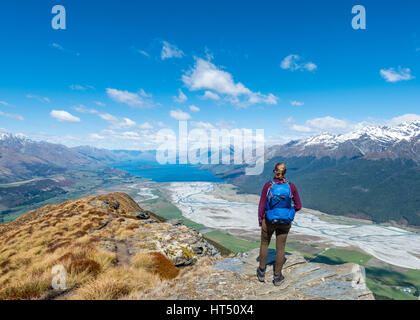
<point x="115" y="75"/>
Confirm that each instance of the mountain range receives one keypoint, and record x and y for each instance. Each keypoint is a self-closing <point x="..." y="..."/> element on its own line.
<point x="371" y="143"/>
<point x="22" y="158"/>
<point x="371" y="173"/>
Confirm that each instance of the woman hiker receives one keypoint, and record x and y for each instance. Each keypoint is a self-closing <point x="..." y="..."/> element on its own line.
<point x="275" y="214"/>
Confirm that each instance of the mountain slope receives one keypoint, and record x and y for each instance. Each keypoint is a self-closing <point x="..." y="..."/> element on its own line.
<point x="22" y="158"/>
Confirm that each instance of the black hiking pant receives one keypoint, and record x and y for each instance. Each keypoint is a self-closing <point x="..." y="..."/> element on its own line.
<point x="267" y="230"/>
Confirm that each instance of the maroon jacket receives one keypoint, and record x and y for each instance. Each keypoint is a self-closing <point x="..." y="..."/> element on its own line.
<point x="263" y="199"/>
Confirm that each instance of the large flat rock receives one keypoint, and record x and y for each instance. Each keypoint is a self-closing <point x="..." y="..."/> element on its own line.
<point x="303" y="279"/>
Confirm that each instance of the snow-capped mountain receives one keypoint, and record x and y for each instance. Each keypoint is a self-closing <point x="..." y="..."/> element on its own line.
<point x="384" y="135"/>
<point x="372" y="142"/>
<point x="9" y="137"/>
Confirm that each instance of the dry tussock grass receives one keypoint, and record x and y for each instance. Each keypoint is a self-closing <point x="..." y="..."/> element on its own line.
<point x="117" y="283"/>
<point x="156" y="263"/>
<point x="66" y="234"/>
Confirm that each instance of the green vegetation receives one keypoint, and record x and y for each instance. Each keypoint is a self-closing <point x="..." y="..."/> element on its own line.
<point x="389" y="283"/>
<point x="235" y="244"/>
<point x="339" y="256"/>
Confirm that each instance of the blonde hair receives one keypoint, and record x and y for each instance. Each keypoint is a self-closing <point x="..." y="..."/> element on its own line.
<point x="280" y="169"/>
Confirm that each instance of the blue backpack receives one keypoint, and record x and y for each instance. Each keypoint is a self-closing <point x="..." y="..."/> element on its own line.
<point x="279" y="207"/>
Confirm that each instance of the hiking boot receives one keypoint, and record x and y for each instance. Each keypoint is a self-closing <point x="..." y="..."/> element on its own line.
<point x="261" y="274"/>
<point x="278" y="279"/>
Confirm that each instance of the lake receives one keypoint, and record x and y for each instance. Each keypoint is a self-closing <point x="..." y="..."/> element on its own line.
<point x="168" y="172"/>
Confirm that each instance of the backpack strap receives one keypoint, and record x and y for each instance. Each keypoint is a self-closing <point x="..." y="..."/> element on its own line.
<point x="269" y="188"/>
<point x="290" y="186"/>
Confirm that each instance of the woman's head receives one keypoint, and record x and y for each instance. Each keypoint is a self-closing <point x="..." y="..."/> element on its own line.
<point x="280" y="170"/>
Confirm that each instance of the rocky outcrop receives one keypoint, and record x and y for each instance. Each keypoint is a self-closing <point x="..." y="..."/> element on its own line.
<point x="180" y="244"/>
<point x="303" y="279"/>
<point x="234" y="278"/>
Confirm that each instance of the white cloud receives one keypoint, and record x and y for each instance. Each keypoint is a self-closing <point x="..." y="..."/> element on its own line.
<point x="180" y="115"/>
<point x="391" y="75"/>
<point x="292" y="63"/>
<point x="296" y="103"/>
<point x="143" y="53"/>
<point x="146" y="125"/>
<point x="63" y="116"/>
<point x="257" y="97"/>
<point x="82" y="109"/>
<point x="130" y="134"/>
<point x="108" y="117"/>
<point x="410" y="117"/>
<point x="210" y="95"/>
<point x="318" y="125"/>
<point x="181" y="97"/>
<point x="96" y="136"/>
<point x="225" y="124"/>
<point x="127" y="122"/>
<point x="202" y="125"/>
<point x="80" y="87"/>
<point x="41" y="99"/>
<point x="287" y="62"/>
<point x="61" y="48"/>
<point x="101" y="104"/>
<point x="127" y="140"/>
<point x="77" y="87"/>
<point x="206" y="76"/>
<point x="12" y="116"/>
<point x="310" y="66"/>
<point x="115" y="122"/>
<point x="327" y="123"/>
<point x="170" y="51"/>
<point x="144" y="94"/>
<point x="194" y="108"/>
<point x="300" y="128"/>
<point x="57" y="46"/>
<point x="129" y="98"/>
